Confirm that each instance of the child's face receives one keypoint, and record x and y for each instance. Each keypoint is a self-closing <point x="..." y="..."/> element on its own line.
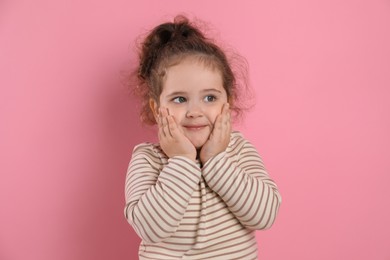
<point x="194" y="94"/>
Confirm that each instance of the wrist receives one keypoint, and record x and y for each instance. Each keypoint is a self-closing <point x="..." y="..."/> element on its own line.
<point x="205" y="158"/>
<point x="188" y="156"/>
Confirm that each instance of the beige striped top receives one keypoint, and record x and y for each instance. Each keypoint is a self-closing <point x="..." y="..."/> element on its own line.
<point x="184" y="211"/>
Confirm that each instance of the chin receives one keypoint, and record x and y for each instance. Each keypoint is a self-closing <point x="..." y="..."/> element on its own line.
<point x="198" y="144"/>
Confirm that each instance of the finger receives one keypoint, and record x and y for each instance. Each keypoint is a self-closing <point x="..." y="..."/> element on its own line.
<point x="171" y="123"/>
<point x="226" y="114"/>
<point x="226" y="107"/>
<point x="164" y="124"/>
<point x="217" y="127"/>
<point x="225" y="126"/>
<point x="161" y="133"/>
<point x="228" y="120"/>
<point x="223" y="109"/>
<point x="167" y="122"/>
<point x="172" y="126"/>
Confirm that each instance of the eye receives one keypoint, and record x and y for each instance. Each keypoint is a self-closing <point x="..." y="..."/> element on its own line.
<point x="210" y="98"/>
<point x="179" y="99"/>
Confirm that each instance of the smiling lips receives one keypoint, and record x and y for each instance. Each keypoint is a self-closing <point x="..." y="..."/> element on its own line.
<point x="194" y="127"/>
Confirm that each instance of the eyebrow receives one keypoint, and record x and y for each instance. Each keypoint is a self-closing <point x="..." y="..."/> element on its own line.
<point x="176" y="93"/>
<point x="212" y="90"/>
<point x="182" y="93"/>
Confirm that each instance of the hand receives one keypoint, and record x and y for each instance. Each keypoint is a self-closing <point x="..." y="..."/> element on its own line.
<point x="220" y="136"/>
<point x="172" y="140"/>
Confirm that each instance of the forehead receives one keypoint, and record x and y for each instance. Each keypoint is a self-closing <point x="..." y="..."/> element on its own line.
<point x="192" y="73"/>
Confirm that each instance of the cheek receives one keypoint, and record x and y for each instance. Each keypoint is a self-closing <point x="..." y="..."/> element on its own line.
<point x="213" y="113"/>
<point x="176" y="112"/>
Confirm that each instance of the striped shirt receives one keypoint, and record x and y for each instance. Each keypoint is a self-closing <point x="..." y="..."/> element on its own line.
<point x="184" y="211"/>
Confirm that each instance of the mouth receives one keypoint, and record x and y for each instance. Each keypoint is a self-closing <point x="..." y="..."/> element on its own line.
<point x="194" y="127"/>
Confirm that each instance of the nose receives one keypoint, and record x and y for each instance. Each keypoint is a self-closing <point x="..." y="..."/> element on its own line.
<point x="194" y="109"/>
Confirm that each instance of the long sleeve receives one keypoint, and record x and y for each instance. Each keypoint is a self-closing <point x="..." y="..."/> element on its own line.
<point x="157" y="195"/>
<point x="238" y="176"/>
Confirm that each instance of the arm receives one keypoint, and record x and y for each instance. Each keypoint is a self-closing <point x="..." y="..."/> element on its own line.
<point x="239" y="178"/>
<point x="156" y="201"/>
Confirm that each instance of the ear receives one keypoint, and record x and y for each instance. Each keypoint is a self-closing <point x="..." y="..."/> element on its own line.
<point x="154" y="107"/>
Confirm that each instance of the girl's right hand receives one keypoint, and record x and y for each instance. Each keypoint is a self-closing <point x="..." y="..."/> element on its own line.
<point x="172" y="140"/>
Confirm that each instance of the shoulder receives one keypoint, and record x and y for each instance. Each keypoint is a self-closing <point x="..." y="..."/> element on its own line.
<point x="149" y="151"/>
<point x="235" y="135"/>
<point x="238" y="143"/>
<point x="237" y="140"/>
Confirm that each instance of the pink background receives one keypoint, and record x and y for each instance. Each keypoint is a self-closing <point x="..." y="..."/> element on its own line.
<point x="321" y="73"/>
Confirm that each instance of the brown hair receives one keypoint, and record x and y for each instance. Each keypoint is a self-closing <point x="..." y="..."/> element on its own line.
<point x="170" y="43"/>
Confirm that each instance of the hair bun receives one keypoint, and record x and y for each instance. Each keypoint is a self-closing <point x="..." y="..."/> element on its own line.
<point x="173" y="32"/>
<point x="165" y="35"/>
<point x="182" y="26"/>
<point x="185" y="31"/>
<point x="178" y="30"/>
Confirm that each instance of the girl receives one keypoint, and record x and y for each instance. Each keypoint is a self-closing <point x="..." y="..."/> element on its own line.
<point x="202" y="191"/>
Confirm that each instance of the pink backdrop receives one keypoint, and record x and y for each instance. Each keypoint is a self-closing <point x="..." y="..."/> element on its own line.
<point x="321" y="72"/>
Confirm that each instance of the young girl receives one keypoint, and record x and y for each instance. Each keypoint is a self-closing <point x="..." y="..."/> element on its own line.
<point x="202" y="191"/>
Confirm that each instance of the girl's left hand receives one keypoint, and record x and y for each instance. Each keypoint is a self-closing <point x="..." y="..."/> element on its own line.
<point x="220" y="136"/>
